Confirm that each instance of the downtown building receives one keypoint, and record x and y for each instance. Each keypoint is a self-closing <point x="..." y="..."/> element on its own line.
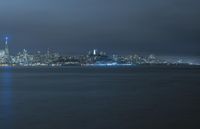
<point x="4" y="54"/>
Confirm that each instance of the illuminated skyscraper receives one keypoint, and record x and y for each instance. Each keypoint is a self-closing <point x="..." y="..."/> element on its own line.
<point x="94" y="52"/>
<point x="6" y="47"/>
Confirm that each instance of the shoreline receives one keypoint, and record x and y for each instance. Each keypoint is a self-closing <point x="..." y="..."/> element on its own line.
<point x="105" y="66"/>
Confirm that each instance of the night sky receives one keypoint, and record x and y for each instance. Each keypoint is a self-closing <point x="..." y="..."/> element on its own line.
<point x="165" y="27"/>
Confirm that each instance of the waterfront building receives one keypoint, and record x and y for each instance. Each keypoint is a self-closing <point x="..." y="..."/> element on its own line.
<point x="4" y="53"/>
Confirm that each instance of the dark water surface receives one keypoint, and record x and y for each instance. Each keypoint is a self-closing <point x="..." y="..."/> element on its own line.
<point x="100" y="98"/>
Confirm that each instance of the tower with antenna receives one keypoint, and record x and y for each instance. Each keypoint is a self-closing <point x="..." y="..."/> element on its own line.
<point x="6" y="51"/>
<point x="6" y="47"/>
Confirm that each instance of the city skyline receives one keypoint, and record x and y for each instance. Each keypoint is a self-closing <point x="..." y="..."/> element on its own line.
<point x="6" y="40"/>
<point x="94" y="57"/>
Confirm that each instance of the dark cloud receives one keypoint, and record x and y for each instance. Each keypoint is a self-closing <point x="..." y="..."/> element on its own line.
<point x="116" y="26"/>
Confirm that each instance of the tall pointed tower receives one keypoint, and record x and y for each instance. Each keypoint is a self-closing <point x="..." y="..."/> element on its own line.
<point x="6" y="47"/>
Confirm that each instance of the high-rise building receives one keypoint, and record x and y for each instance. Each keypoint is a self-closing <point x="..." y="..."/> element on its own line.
<point x="94" y="52"/>
<point x="6" y="47"/>
<point x="4" y="53"/>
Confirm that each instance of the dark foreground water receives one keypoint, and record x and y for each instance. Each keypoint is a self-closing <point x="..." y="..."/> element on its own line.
<point x="100" y="98"/>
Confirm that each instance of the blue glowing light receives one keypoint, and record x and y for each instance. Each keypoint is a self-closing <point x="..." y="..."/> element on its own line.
<point x="6" y="38"/>
<point x="109" y="64"/>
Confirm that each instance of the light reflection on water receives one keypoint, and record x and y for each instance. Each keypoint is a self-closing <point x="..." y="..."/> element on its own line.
<point x="6" y="97"/>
